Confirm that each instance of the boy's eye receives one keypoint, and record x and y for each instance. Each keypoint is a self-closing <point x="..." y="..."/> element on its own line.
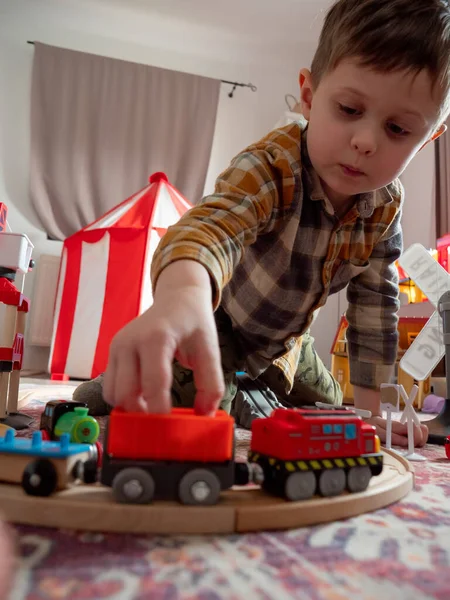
<point x="348" y="110"/>
<point x="397" y="130"/>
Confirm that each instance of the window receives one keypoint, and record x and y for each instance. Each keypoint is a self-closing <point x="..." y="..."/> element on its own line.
<point x="337" y="429"/>
<point x="350" y="431"/>
<point x="327" y="429"/>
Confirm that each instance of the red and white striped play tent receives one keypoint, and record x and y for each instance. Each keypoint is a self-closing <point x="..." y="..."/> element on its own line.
<point x="104" y="277"/>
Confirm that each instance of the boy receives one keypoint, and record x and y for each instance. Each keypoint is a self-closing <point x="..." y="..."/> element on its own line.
<point x="310" y="209"/>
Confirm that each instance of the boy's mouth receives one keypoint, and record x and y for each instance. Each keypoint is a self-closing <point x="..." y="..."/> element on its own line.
<point x="351" y="171"/>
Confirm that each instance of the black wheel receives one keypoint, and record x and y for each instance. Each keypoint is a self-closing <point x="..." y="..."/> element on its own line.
<point x="300" y="486"/>
<point x="332" y="482"/>
<point x="200" y="487"/>
<point x="90" y="471"/>
<point x="133" y="486"/>
<point x="39" y="478"/>
<point x="358" y="479"/>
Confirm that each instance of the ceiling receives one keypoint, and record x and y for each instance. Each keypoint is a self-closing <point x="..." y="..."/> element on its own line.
<point x="294" y="21"/>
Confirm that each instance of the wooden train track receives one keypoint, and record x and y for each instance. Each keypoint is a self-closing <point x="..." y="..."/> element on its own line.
<point x="91" y="508"/>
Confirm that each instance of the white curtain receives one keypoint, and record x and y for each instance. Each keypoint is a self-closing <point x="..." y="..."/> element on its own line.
<point x="100" y="127"/>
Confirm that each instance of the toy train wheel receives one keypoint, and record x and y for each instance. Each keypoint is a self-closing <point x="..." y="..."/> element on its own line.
<point x="199" y="487"/>
<point x="133" y="486"/>
<point x="358" y="479"/>
<point x="90" y="471"/>
<point x="39" y="478"/>
<point x="300" y="486"/>
<point x="332" y="482"/>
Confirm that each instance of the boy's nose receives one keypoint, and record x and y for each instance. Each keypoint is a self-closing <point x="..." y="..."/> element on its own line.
<point x="365" y="142"/>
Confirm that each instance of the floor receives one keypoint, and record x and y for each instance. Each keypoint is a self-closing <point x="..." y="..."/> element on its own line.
<point x="401" y="552"/>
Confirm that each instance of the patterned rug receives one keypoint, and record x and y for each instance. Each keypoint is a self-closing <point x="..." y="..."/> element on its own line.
<point x="401" y="552"/>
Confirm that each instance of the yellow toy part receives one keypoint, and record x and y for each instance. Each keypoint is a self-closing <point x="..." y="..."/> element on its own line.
<point x="4" y="429"/>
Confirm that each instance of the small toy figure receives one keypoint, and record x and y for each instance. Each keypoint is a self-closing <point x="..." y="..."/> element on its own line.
<point x="61" y="416"/>
<point x="447" y="447"/>
<point x="15" y="256"/>
<point x="68" y="417"/>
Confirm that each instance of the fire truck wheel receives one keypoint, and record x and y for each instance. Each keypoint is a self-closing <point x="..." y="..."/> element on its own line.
<point x="133" y="486"/>
<point x="358" y="479"/>
<point x="332" y="482"/>
<point x="39" y="478"/>
<point x="300" y="486"/>
<point x="200" y="487"/>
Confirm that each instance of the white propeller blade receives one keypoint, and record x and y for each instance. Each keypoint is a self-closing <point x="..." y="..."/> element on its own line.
<point x="426" y="272"/>
<point x="428" y="348"/>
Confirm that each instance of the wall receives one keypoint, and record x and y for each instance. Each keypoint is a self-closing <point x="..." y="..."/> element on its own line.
<point x="419" y="212"/>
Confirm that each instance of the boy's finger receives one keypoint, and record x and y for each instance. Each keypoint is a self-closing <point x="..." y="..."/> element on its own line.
<point x="424" y="431"/>
<point x="400" y="428"/>
<point x="208" y="378"/>
<point x="420" y="437"/>
<point x="109" y="381"/>
<point x="156" y="373"/>
<point x="399" y="440"/>
<point x="126" y="378"/>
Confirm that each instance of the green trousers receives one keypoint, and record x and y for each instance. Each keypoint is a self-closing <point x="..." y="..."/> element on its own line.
<point x="313" y="382"/>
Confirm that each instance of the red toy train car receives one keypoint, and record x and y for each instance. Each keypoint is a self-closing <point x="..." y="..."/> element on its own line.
<point x="295" y="453"/>
<point x="180" y="455"/>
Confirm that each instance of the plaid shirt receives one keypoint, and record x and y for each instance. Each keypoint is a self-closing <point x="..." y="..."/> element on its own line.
<point x="275" y="251"/>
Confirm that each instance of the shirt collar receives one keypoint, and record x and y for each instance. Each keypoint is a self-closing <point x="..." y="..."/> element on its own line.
<point x="365" y="203"/>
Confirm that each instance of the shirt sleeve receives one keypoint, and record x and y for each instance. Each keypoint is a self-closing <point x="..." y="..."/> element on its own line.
<point x="373" y="297"/>
<point x="249" y="198"/>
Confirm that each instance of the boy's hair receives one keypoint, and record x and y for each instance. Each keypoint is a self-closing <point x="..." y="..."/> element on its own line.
<point x="389" y="35"/>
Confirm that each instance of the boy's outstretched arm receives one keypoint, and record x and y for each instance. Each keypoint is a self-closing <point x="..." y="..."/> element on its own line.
<point x="192" y="264"/>
<point x="372" y="334"/>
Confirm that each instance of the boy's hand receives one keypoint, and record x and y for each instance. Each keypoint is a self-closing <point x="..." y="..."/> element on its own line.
<point x="371" y="400"/>
<point x="180" y="325"/>
<point x="399" y="435"/>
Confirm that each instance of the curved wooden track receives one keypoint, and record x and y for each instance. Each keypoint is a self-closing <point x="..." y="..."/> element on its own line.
<point x="92" y="508"/>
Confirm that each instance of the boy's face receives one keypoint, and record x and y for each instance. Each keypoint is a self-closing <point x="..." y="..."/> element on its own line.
<point x="365" y="126"/>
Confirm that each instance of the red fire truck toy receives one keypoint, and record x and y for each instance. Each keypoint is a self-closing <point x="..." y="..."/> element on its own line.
<point x="302" y="452"/>
<point x="177" y="456"/>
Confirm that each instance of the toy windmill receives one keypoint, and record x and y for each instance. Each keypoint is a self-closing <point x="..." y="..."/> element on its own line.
<point x="390" y="401"/>
<point x="410" y="417"/>
<point x="434" y="340"/>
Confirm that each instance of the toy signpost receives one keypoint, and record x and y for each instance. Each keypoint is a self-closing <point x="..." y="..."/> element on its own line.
<point x="434" y="340"/>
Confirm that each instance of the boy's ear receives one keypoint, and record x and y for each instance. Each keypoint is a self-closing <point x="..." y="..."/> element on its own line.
<point x="442" y="129"/>
<point x="306" y="92"/>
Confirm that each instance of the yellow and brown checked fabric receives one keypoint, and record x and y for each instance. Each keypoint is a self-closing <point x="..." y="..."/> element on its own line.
<point x="275" y="250"/>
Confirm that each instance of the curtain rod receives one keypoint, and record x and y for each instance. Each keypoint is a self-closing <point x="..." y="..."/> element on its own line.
<point x="235" y="84"/>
